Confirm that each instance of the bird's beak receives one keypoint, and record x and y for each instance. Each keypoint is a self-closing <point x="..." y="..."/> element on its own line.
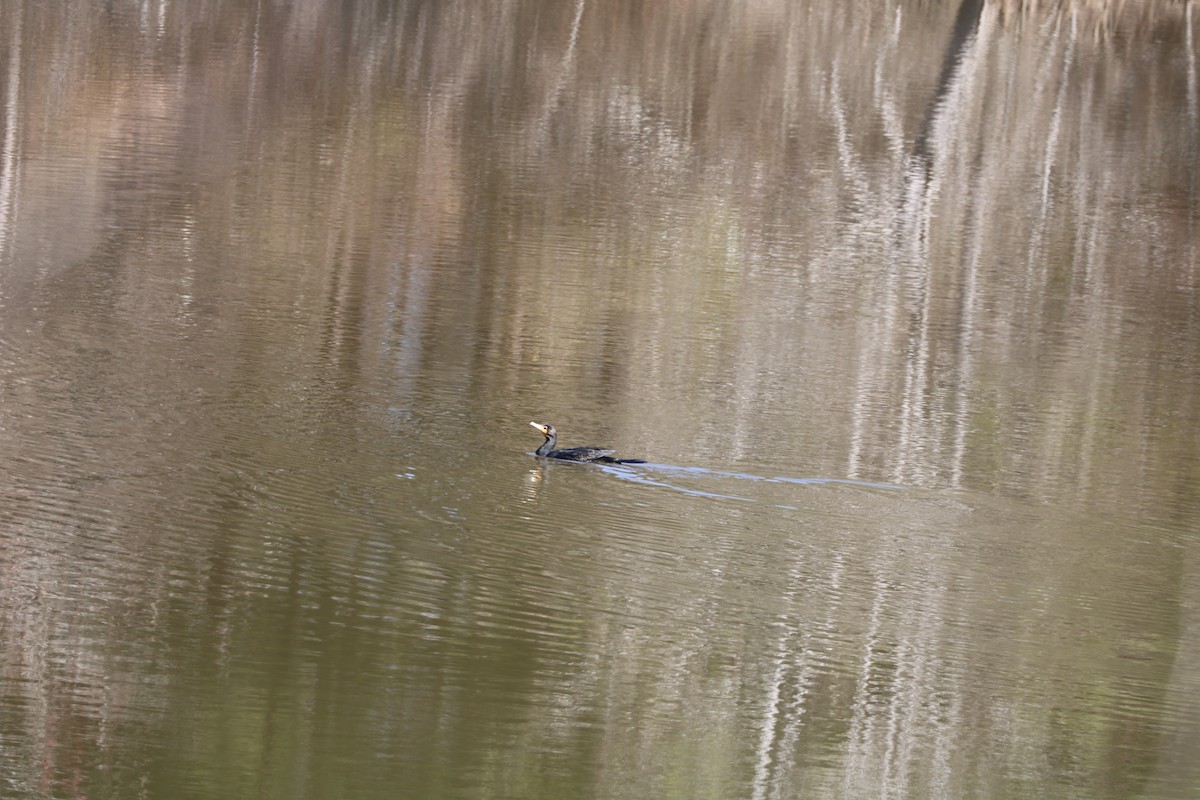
<point x="539" y="426"/>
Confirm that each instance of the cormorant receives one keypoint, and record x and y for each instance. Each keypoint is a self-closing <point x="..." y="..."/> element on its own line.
<point x="587" y="455"/>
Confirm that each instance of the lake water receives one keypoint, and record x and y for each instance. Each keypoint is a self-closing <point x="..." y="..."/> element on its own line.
<point x="900" y="301"/>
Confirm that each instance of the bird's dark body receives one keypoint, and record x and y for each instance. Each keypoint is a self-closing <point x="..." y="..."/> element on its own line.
<point x="581" y="455"/>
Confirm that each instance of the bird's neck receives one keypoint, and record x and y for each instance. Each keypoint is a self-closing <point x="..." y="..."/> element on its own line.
<point x="546" y="447"/>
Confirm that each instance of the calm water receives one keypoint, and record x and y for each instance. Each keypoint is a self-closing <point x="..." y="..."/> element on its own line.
<point x="900" y="302"/>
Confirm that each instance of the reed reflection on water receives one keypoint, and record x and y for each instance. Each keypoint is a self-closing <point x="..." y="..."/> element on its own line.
<point x="899" y="300"/>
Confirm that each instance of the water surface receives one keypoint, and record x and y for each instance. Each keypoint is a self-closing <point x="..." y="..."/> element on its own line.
<point x="899" y="303"/>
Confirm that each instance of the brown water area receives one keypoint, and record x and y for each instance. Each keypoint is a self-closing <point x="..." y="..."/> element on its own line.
<point x="900" y="301"/>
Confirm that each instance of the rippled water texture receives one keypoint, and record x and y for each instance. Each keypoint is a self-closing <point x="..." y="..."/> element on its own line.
<point x="898" y="300"/>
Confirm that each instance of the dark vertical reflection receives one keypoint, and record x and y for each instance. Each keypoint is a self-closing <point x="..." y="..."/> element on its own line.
<point x="966" y="23"/>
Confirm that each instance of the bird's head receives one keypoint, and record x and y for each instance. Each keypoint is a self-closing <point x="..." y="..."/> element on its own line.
<point x="546" y="430"/>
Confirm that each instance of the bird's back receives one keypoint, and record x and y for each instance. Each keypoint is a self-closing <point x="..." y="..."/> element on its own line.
<point x="582" y="453"/>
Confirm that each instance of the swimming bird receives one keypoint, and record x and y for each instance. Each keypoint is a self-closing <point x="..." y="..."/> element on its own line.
<point x="586" y="455"/>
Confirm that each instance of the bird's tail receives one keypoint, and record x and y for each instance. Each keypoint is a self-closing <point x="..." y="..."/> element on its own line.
<point x="611" y="460"/>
